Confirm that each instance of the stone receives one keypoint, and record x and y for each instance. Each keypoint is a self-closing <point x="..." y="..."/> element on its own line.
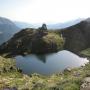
<point x="86" y="84"/>
<point x="76" y="74"/>
<point x="9" y="88"/>
<point x="67" y="70"/>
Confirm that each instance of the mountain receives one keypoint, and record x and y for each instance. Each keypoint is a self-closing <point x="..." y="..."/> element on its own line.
<point x="7" y="29"/>
<point x="65" y="24"/>
<point x="23" y="25"/>
<point x="30" y="40"/>
<point x="77" y="37"/>
<point x="49" y="26"/>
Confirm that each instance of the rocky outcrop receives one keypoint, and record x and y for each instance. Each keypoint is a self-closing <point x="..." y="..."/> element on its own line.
<point x="9" y="88"/>
<point x="33" y="41"/>
<point x="44" y="27"/>
<point x="77" y="37"/>
<point x="86" y="84"/>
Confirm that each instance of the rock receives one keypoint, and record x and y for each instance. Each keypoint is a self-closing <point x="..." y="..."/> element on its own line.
<point x="76" y="74"/>
<point x="67" y="70"/>
<point x="44" y="27"/>
<point x="19" y="70"/>
<point x="11" y="68"/>
<point x="32" y="41"/>
<point x="9" y="88"/>
<point x="85" y="84"/>
<point x="4" y="70"/>
<point x="38" y="85"/>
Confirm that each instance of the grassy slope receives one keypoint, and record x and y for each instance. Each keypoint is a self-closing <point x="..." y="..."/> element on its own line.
<point x="54" y="37"/>
<point x="61" y="81"/>
<point x="86" y="52"/>
<point x="33" y="41"/>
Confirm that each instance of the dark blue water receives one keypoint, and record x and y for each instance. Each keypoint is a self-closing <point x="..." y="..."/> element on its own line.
<point x="49" y="63"/>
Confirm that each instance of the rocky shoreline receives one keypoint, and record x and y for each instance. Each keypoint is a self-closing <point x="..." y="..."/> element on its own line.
<point x="75" y="38"/>
<point x="69" y="79"/>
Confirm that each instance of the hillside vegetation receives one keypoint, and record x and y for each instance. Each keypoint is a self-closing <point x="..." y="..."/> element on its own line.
<point x="33" y="41"/>
<point x="86" y="52"/>
<point x="12" y="78"/>
<point x="76" y="39"/>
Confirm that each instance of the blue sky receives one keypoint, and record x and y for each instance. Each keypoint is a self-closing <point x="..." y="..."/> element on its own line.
<point x="48" y="11"/>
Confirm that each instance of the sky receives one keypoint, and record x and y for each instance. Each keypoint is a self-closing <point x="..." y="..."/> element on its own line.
<point x="44" y="11"/>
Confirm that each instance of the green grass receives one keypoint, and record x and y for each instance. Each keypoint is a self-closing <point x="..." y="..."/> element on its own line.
<point x="6" y="63"/>
<point x="60" y="81"/>
<point x="55" y="38"/>
<point x="86" y="52"/>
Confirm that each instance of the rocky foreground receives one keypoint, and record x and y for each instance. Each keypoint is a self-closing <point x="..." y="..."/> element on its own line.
<point x="86" y="84"/>
<point x="12" y="78"/>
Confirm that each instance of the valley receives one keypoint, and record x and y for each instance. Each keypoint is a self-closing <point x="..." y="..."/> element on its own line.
<point x="45" y="59"/>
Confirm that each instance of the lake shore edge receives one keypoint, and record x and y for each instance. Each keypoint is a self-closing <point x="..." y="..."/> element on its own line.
<point x="70" y="78"/>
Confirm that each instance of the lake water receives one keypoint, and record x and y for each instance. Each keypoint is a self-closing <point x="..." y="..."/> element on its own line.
<point x="49" y="63"/>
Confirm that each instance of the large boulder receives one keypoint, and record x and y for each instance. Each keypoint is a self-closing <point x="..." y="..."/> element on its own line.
<point x="44" y="27"/>
<point x="86" y="84"/>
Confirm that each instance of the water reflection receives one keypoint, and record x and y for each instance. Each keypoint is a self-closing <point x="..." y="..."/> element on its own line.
<point x="42" y="58"/>
<point x="50" y="63"/>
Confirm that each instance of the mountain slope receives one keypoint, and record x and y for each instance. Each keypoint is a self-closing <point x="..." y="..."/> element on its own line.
<point x="29" y="40"/>
<point x="23" y="24"/>
<point x="49" y="26"/>
<point x="65" y="24"/>
<point x="77" y="37"/>
<point x="7" y="29"/>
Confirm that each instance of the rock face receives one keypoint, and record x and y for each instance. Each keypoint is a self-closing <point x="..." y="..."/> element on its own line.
<point x="8" y="88"/>
<point x="33" y="41"/>
<point x="77" y="37"/>
<point x="86" y="84"/>
<point x="44" y="27"/>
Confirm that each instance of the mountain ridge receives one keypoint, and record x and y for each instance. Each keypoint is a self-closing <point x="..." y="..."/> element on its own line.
<point x="7" y="29"/>
<point x="49" y="26"/>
